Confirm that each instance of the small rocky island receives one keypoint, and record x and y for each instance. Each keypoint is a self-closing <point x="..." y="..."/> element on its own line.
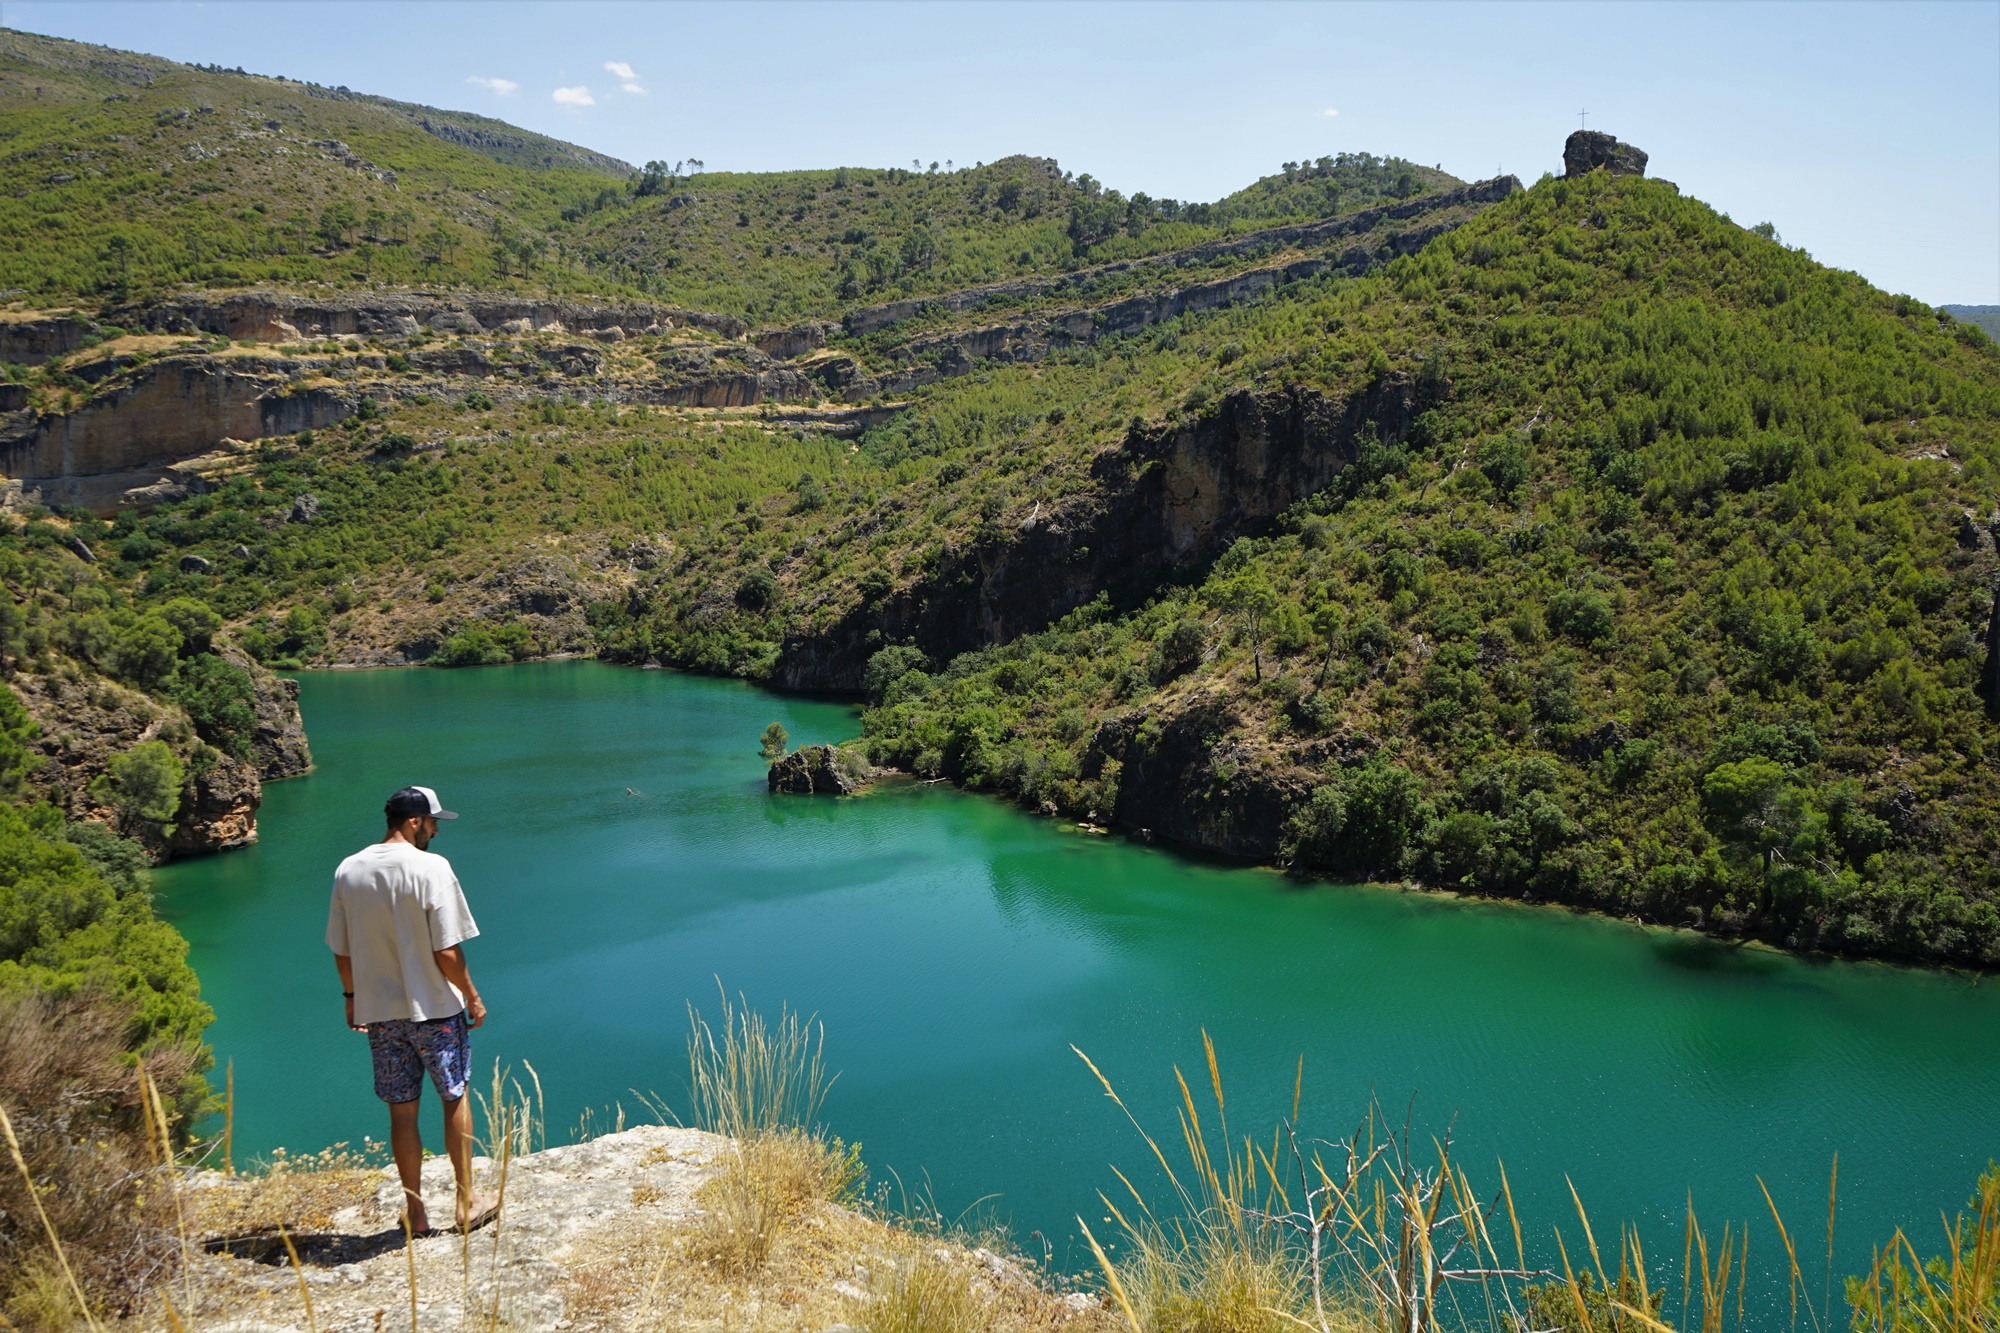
<point x="821" y="770"/>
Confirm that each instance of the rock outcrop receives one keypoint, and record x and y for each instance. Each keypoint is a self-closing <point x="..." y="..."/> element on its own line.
<point x="275" y="317"/>
<point x="166" y="412"/>
<point x="819" y="770"/>
<point x="278" y="744"/>
<point x="604" y="1234"/>
<point x="33" y="339"/>
<point x="1304" y="235"/>
<point x="785" y="344"/>
<point x="86" y="722"/>
<point x="1591" y="150"/>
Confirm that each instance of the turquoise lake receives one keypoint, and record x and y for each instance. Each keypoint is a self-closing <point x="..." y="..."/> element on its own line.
<point x="621" y="853"/>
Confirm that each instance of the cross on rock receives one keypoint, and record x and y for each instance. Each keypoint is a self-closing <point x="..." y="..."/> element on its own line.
<point x="1580" y="118"/>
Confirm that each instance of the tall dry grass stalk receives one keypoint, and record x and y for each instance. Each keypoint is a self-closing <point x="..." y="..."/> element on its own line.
<point x="755" y="1078"/>
<point x="85" y="1224"/>
<point x="515" y="1124"/>
<point x="1956" y="1290"/>
<point x="1376" y="1233"/>
<point x="1219" y="1259"/>
<point x="55" y="1241"/>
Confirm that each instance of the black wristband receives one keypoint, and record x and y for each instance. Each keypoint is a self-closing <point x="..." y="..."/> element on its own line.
<point x="347" y="994"/>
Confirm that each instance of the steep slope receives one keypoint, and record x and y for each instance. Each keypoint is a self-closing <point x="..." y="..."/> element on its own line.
<point x="122" y="174"/>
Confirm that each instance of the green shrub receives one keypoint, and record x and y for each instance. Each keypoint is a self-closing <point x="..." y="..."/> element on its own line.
<point x="143" y="785"/>
<point x="221" y="702"/>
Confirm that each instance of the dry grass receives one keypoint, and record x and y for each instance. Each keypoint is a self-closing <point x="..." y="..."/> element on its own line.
<point x="829" y="1266"/>
<point x="1373" y="1235"/>
<point x="920" y="1293"/>
<point x="298" y="1194"/>
<point x="96" y="1229"/>
<point x="770" y="1183"/>
<point x="1959" y="1289"/>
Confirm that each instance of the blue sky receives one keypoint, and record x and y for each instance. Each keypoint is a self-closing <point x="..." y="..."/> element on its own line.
<point x="1869" y="134"/>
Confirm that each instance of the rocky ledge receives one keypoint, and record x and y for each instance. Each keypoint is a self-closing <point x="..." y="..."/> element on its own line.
<point x="605" y="1234"/>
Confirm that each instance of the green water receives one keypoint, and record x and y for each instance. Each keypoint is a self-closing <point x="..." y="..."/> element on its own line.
<point x="956" y="948"/>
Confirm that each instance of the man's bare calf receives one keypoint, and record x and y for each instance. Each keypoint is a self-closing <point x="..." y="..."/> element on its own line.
<point x="406" y="1142"/>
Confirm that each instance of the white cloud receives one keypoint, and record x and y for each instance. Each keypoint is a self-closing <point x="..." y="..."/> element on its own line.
<point x="505" y="87"/>
<point x="577" y="96"/>
<point x="621" y="69"/>
<point x="631" y="87"/>
<point x="1330" y="111"/>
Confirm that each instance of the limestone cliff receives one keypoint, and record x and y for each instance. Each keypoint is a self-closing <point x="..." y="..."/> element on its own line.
<point x="1167" y="500"/>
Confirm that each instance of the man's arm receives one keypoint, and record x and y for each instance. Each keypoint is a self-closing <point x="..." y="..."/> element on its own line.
<point x="451" y="962"/>
<point x="346" y="966"/>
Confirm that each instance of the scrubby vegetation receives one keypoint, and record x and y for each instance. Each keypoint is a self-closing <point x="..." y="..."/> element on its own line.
<point x="126" y="175"/>
<point x="1669" y="601"/>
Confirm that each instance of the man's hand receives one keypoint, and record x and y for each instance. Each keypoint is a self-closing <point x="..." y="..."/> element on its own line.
<point x="451" y="962"/>
<point x="345" y="965"/>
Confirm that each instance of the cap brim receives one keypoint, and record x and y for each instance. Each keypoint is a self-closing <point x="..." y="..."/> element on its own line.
<point x="445" y="814"/>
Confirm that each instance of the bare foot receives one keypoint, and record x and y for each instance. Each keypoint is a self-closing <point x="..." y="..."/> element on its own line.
<point x="477" y="1211"/>
<point x="415" y="1216"/>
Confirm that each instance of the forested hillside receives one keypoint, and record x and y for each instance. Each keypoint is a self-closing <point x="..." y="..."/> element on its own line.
<point x="124" y="175"/>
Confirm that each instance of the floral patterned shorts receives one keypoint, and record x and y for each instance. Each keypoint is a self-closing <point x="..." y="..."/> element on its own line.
<point x="403" y="1049"/>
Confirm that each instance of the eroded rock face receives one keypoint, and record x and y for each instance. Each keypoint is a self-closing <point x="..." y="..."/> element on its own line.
<point x="1589" y="150"/>
<point x="1173" y="497"/>
<point x="86" y="723"/>
<point x="172" y="410"/>
<point x="218" y="810"/>
<point x="818" y="770"/>
<point x="784" y="344"/>
<point x="34" y="340"/>
<point x="268" y="316"/>
<point x="278" y="745"/>
<point x="1182" y="788"/>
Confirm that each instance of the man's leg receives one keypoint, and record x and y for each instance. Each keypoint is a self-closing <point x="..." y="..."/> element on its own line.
<point x="447" y="1053"/>
<point x="458" y="1146"/>
<point x="407" y="1144"/>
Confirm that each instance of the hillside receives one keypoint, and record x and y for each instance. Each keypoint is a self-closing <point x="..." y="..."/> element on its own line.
<point x="126" y="176"/>
<point x="1987" y="317"/>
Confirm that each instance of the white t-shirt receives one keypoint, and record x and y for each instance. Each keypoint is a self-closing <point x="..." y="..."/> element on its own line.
<point x="393" y="907"/>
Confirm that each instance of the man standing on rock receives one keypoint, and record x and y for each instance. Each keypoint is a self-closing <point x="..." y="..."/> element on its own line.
<point x="398" y="920"/>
